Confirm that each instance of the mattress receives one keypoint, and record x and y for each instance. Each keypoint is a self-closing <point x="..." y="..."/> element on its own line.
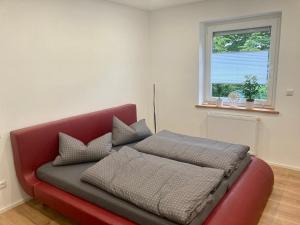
<point x="67" y="178"/>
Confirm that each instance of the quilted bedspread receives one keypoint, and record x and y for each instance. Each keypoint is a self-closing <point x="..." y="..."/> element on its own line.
<point x="198" y="151"/>
<point x="173" y="190"/>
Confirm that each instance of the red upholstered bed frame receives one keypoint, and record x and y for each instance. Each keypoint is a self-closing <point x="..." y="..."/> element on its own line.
<point x="34" y="146"/>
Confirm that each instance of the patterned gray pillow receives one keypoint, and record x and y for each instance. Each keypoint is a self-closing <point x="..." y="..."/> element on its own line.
<point x="123" y="134"/>
<point x="72" y="151"/>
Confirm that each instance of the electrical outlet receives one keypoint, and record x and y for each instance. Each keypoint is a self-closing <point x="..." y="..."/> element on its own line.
<point x="3" y="184"/>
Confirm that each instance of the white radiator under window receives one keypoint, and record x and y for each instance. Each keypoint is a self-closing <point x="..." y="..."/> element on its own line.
<point x="234" y="128"/>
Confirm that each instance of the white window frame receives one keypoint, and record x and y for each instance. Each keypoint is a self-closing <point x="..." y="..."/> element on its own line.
<point x="272" y="20"/>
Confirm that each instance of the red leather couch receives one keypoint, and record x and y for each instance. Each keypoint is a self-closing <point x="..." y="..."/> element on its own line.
<point x="34" y="146"/>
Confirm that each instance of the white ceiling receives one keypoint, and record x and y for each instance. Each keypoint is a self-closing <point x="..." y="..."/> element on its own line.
<point x="154" y="4"/>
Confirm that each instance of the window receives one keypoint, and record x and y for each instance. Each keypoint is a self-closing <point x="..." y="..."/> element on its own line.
<point x="236" y="49"/>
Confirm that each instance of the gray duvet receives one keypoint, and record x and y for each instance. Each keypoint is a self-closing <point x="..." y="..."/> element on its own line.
<point x="167" y="188"/>
<point x="194" y="150"/>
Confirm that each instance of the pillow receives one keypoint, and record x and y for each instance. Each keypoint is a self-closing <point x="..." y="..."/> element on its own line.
<point x="124" y="134"/>
<point x="72" y="151"/>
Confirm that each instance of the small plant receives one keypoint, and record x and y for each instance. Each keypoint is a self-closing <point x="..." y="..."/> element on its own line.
<point x="250" y="88"/>
<point x="219" y="90"/>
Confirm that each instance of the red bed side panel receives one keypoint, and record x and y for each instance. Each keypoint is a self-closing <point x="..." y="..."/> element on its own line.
<point x="246" y="200"/>
<point x="75" y="208"/>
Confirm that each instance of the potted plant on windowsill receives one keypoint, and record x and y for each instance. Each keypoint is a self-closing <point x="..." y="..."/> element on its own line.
<point x="250" y="90"/>
<point x="219" y="92"/>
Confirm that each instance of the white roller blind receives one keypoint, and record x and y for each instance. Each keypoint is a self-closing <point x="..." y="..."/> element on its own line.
<point x="243" y="31"/>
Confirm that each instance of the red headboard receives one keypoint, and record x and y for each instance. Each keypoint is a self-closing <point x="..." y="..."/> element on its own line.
<point x="34" y="146"/>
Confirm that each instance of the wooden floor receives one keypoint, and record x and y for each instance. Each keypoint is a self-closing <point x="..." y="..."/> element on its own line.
<point x="283" y="207"/>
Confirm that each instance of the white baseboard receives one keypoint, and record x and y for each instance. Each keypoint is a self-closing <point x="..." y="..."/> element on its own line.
<point x="13" y="205"/>
<point x="284" y="166"/>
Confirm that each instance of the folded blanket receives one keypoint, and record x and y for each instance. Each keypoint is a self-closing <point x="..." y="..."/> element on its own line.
<point x="170" y="189"/>
<point x="194" y="150"/>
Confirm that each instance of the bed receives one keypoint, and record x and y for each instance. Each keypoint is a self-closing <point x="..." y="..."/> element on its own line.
<point x="33" y="147"/>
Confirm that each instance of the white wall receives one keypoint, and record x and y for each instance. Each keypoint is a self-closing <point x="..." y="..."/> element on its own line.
<point x="65" y="57"/>
<point x="175" y="50"/>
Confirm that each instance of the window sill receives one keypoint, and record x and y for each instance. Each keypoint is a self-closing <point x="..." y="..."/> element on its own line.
<point x="238" y="108"/>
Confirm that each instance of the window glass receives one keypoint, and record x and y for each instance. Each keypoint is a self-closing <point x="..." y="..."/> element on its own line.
<point x="237" y="54"/>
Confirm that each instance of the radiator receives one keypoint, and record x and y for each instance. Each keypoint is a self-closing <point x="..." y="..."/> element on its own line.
<point x="233" y="128"/>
